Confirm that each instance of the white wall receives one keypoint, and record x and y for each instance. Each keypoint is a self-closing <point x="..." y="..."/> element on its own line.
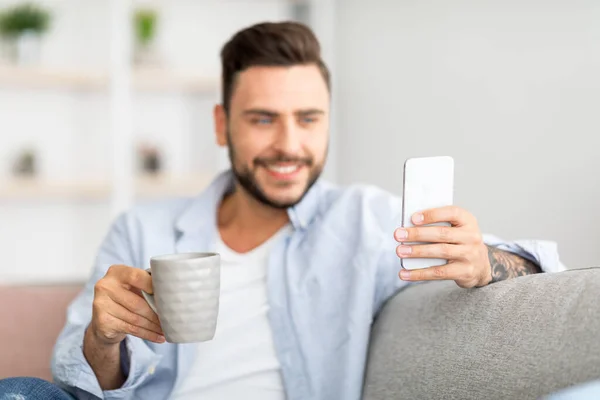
<point x="55" y="240"/>
<point x="511" y="89"/>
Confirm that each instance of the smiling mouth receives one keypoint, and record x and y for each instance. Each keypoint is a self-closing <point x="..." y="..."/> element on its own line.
<point x="283" y="169"/>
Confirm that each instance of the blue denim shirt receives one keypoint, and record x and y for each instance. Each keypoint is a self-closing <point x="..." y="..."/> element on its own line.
<point x="327" y="279"/>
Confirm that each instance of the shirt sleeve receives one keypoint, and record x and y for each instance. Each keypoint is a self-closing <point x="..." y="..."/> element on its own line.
<point x="542" y="252"/>
<point x="70" y="368"/>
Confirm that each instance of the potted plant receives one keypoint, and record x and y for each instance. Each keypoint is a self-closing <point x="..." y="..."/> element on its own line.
<point x="25" y="164"/>
<point x="150" y="159"/>
<point x="144" y="24"/>
<point x="22" y="25"/>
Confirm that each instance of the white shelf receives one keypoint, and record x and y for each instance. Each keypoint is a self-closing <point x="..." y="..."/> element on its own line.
<point x="162" y="81"/>
<point x="164" y="185"/>
<point x="38" y="77"/>
<point x="145" y="79"/>
<point x="146" y="187"/>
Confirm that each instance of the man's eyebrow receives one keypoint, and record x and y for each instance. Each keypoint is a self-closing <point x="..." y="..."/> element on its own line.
<point x="309" y="111"/>
<point x="261" y="112"/>
<point x="270" y="113"/>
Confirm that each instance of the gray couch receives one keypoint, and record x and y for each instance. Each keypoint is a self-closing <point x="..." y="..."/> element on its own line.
<point x="519" y="339"/>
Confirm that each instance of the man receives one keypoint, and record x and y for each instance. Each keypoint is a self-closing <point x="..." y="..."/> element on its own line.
<point x="306" y="265"/>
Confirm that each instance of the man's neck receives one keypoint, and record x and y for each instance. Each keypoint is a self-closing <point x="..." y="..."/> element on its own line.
<point x="245" y="223"/>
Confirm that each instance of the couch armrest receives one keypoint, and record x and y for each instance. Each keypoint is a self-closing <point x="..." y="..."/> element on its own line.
<point x="518" y="339"/>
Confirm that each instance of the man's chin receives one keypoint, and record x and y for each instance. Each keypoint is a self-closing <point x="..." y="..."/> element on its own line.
<point x="279" y="201"/>
<point x="278" y="195"/>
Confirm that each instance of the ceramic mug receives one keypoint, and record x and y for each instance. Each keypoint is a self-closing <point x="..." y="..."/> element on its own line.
<point x="186" y="295"/>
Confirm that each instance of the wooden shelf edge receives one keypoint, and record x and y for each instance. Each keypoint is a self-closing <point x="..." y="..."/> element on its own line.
<point x="41" y="77"/>
<point x="146" y="187"/>
<point x="22" y="189"/>
<point x="143" y="79"/>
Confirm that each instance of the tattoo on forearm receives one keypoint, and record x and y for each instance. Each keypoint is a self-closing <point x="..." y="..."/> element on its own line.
<point x="506" y="265"/>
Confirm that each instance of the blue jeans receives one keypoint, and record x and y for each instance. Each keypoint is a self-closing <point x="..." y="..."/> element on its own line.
<point x="586" y="391"/>
<point x="30" y="389"/>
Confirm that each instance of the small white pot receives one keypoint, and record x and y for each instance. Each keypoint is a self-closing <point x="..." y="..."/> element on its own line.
<point x="28" y="48"/>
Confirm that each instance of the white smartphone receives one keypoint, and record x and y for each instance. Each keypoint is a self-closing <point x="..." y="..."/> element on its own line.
<point x="428" y="183"/>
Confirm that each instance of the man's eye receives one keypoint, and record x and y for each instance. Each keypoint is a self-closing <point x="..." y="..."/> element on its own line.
<point x="308" y="120"/>
<point x="262" y="121"/>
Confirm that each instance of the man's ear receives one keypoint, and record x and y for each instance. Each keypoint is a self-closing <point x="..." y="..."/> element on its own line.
<point x="220" y="118"/>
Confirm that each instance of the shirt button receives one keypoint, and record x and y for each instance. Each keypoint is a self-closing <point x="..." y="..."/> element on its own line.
<point x="151" y="369"/>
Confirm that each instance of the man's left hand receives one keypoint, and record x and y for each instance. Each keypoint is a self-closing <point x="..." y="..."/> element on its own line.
<point x="461" y="244"/>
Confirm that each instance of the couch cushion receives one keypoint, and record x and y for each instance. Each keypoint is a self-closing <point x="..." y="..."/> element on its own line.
<point x="32" y="317"/>
<point x="517" y="339"/>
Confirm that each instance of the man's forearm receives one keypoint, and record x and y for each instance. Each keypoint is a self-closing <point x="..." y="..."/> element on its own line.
<point x="507" y="265"/>
<point x="105" y="361"/>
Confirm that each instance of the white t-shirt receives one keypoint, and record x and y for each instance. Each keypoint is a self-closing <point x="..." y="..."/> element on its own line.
<point x="240" y="362"/>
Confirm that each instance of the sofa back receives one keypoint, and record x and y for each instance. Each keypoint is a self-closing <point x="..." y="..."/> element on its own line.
<point x="518" y="339"/>
<point x="32" y="317"/>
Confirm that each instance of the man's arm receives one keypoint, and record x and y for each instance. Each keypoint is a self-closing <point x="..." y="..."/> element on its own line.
<point x="105" y="360"/>
<point x="507" y="265"/>
<point x="85" y="367"/>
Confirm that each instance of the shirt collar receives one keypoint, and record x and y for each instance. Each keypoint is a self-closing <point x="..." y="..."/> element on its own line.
<point x="201" y="213"/>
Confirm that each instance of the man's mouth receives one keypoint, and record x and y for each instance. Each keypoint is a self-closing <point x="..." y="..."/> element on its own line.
<point x="283" y="169"/>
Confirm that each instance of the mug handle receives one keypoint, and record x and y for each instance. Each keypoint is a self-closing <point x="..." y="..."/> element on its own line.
<point x="150" y="297"/>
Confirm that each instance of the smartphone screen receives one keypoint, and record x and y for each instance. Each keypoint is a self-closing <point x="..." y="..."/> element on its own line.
<point x="428" y="183"/>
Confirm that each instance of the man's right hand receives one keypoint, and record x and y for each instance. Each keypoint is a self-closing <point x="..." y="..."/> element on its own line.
<point x="119" y="309"/>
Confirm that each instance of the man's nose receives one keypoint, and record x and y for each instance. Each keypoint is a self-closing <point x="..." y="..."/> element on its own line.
<point x="289" y="138"/>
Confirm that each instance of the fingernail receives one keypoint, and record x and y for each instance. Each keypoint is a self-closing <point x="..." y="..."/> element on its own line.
<point x="404" y="274"/>
<point x="418" y="218"/>
<point x="401" y="234"/>
<point x="404" y="249"/>
<point x="161" y="339"/>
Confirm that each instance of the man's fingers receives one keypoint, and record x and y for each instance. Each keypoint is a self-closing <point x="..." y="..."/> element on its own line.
<point x="134" y="303"/>
<point x="439" y="250"/>
<point x="133" y="277"/>
<point x="437" y="273"/>
<point x="456" y="216"/>
<point x="109" y="326"/>
<point x="464" y="274"/>
<point x="138" y="331"/>
<point x="133" y="319"/>
<point x="437" y="234"/>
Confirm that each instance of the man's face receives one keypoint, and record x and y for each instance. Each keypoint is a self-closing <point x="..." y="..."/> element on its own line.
<point x="277" y="131"/>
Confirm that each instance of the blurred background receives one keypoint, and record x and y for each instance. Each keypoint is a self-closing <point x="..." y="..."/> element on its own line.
<point x="107" y="103"/>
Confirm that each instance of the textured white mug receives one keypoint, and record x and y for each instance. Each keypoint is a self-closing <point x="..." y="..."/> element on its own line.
<point x="186" y="295"/>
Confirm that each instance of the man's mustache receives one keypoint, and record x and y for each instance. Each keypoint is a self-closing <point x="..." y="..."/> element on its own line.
<point x="265" y="161"/>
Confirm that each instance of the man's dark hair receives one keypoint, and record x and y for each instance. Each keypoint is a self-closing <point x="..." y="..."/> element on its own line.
<point x="281" y="44"/>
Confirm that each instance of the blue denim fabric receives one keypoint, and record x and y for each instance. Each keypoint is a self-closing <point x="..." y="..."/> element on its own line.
<point x="30" y="389"/>
<point x="587" y="391"/>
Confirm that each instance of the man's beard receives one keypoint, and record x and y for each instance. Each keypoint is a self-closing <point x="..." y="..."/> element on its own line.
<point x="247" y="179"/>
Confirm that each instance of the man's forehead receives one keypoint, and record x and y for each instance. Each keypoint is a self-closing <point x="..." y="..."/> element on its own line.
<point x="290" y="88"/>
